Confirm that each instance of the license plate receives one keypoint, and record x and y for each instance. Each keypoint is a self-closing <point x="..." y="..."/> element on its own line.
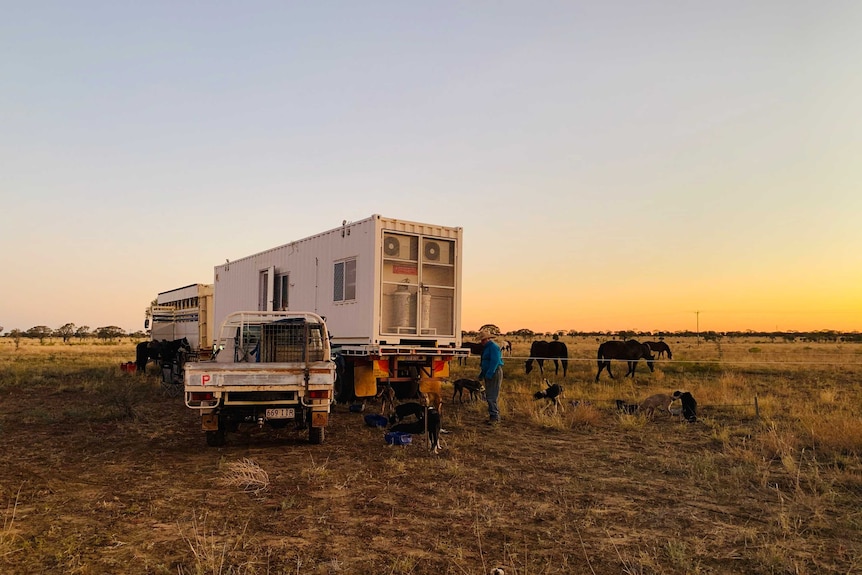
<point x="280" y="413"/>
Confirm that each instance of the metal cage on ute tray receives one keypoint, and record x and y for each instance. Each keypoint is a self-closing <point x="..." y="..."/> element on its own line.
<point x="269" y="337"/>
<point x="291" y="340"/>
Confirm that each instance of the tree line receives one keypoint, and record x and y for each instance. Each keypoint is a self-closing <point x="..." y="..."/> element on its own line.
<point x="70" y="331"/>
<point x="825" y="335"/>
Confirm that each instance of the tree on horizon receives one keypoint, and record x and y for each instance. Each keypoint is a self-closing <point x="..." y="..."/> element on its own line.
<point x="110" y="332"/>
<point x="66" y="331"/>
<point x="40" y="332"/>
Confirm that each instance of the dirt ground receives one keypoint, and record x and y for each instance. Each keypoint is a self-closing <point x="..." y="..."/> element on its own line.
<point x="123" y="482"/>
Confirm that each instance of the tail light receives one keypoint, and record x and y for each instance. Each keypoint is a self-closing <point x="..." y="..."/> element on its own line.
<point x="319" y="394"/>
<point x="201" y="396"/>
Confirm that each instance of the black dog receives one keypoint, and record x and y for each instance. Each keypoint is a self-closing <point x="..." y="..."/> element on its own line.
<point x="418" y="427"/>
<point x="407" y="409"/>
<point x="689" y="405"/>
<point x="629" y="408"/>
<point x="474" y="386"/>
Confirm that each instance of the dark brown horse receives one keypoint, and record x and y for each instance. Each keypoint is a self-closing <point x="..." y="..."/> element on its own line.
<point x="164" y="350"/>
<point x="542" y="350"/>
<point x="630" y="351"/>
<point x="144" y="352"/>
<point x="475" y="349"/>
<point x="660" y="348"/>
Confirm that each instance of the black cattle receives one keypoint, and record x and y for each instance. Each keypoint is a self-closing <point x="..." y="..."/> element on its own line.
<point x="630" y="351"/>
<point x="660" y="348"/>
<point x="542" y="350"/>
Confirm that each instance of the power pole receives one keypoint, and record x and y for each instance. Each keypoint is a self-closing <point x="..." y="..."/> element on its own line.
<point x="697" y="327"/>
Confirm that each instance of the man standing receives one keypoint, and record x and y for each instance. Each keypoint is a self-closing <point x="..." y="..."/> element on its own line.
<point x="491" y="373"/>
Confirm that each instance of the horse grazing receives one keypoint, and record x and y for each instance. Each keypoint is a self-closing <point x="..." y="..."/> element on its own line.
<point x="542" y="350"/>
<point x="660" y="348"/>
<point x="631" y="351"/>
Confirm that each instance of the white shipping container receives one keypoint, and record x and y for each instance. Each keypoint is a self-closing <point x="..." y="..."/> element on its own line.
<point x="377" y="281"/>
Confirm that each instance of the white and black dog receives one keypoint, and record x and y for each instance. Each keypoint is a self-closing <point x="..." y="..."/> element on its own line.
<point x="552" y="392"/>
<point x="432" y="422"/>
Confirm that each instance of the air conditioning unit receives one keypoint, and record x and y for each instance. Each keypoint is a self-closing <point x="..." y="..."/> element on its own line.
<point x="397" y="247"/>
<point x="436" y="251"/>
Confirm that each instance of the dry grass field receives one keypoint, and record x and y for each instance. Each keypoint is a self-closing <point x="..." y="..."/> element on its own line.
<point x="102" y="472"/>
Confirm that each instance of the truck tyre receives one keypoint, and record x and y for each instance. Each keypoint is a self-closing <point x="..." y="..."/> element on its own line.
<point x="344" y="387"/>
<point x="315" y="435"/>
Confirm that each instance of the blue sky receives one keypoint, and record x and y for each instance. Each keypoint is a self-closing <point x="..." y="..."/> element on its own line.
<point x="614" y="165"/>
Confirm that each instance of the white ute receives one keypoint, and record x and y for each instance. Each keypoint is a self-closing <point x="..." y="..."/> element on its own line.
<point x="270" y="369"/>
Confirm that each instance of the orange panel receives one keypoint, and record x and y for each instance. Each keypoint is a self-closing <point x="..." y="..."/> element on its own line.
<point x="430" y="385"/>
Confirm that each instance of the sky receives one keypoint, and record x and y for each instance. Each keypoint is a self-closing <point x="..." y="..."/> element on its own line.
<point x="620" y="165"/>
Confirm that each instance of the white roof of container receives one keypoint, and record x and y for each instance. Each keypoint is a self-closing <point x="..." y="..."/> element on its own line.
<point x="389" y="223"/>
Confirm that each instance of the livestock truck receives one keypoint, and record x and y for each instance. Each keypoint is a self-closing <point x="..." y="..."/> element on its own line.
<point x="181" y="313"/>
<point x="268" y="370"/>
<point x="388" y="289"/>
<point x="185" y="312"/>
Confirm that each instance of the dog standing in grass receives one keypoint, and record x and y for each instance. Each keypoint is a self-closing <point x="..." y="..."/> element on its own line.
<point x="473" y="386"/>
<point x="689" y="405"/>
<point x="405" y="410"/>
<point x="387" y="400"/>
<point x="657" y="402"/>
<point x="553" y="392"/>
<point x="430" y="422"/>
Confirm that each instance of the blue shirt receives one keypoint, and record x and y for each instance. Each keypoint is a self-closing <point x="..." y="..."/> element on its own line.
<point x="492" y="358"/>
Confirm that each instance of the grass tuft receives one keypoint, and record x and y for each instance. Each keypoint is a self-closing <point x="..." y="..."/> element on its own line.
<point x="8" y="535"/>
<point x="247" y="475"/>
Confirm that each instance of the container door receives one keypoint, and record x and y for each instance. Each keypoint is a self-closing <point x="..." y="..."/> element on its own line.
<point x="400" y="287"/>
<point x="266" y="289"/>
<point x="437" y="286"/>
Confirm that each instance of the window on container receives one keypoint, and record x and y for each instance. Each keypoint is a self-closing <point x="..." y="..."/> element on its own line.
<point x="280" y="301"/>
<point x="344" y="281"/>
